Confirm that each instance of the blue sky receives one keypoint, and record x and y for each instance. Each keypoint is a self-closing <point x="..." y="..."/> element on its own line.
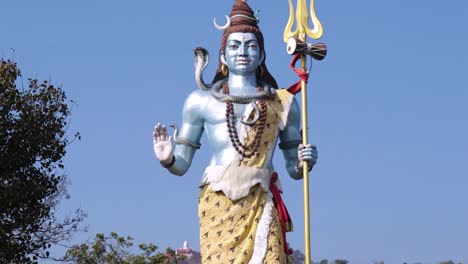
<point x="387" y="111"/>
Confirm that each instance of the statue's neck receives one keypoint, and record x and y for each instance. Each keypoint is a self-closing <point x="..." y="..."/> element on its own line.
<point x="242" y="84"/>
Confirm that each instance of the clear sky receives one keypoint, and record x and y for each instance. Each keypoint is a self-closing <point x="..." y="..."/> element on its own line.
<point x="387" y="111"/>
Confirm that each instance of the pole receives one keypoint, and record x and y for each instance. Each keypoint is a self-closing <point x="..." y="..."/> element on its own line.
<point x="305" y="171"/>
<point x="302" y="31"/>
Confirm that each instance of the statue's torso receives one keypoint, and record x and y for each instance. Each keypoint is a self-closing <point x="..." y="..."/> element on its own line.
<point x="212" y="114"/>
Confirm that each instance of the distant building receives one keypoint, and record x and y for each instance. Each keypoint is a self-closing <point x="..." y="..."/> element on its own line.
<point x="192" y="257"/>
<point x="185" y="250"/>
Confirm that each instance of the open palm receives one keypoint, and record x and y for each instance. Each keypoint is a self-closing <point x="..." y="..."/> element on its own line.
<point x="162" y="143"/>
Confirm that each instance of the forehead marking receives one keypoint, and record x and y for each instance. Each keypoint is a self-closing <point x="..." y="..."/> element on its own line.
<point x="246" y="37"/>
<point x="242" y="36"/>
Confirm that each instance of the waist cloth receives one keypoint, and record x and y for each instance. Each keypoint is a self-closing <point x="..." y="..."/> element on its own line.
<point x="239" y="222"/>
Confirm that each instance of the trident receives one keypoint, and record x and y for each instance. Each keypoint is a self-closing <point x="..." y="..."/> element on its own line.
<point x="297" y="44"/>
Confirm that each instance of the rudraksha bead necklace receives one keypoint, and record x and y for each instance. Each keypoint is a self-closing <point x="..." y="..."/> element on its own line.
<point x="246" y="151"/>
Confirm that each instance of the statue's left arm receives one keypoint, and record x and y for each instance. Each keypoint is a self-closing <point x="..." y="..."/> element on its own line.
<point x="290" y="143"/>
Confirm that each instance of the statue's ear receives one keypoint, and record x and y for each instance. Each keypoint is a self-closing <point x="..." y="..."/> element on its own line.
<point x="262" y="57"/>
<point x="222" y="58"/>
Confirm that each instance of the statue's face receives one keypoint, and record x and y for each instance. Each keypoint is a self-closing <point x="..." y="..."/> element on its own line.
<point x="242" y="54"/>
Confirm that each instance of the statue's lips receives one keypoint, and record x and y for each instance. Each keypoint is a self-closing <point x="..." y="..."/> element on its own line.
<point x="242" y="61"/>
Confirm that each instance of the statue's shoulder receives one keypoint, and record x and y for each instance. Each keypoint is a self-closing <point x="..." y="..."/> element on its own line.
<point x="196" y="102"/>
<point x="199" y="95"/>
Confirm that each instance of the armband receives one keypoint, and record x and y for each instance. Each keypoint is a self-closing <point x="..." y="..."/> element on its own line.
<point x="185" y="141"/>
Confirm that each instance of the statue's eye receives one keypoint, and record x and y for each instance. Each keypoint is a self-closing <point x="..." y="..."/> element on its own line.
<point x="252" y="46"/>
<point x="233" y="47"/>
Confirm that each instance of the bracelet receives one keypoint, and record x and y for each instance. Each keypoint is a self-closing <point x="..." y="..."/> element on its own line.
<point x="166" y="165"/>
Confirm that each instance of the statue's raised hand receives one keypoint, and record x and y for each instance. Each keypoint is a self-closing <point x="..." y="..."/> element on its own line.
<point x="306" y="153"/>
<point x="162" y="144"/>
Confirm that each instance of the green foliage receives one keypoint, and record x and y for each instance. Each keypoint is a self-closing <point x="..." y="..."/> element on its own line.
<point x="114" y="249"/>
<point x="447" y="262"/>
<point x="33" y="123"/>
<point x="341" y="261"/>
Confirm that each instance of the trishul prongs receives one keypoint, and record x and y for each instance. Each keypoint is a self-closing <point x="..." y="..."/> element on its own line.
<point x="302" y="22"/>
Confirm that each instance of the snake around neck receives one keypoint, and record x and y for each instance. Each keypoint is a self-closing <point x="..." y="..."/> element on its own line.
<point x="267" y="92"/>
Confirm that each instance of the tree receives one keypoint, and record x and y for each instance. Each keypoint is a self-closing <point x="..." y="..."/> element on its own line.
<point x="341" y="261"/>
<point x="33" y="122"/>
<point x="114" y="249"/>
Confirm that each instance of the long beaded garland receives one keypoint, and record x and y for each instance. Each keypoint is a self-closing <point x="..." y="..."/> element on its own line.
<point x="244" y="150"/>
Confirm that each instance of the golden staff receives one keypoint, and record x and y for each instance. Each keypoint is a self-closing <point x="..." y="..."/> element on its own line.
<point x="318" y="51"/>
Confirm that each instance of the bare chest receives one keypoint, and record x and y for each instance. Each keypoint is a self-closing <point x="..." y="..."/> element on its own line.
<point x="215" y="112"/>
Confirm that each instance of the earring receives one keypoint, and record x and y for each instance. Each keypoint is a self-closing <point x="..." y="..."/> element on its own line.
<point x="224" y="70"/>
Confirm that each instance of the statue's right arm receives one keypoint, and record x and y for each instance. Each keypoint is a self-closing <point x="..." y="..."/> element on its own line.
<point x="190" y="132"/>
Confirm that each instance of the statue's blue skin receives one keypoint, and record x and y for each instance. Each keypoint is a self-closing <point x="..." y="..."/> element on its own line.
<point x="202" y="112"/>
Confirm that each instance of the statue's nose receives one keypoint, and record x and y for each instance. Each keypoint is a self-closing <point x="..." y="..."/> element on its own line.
<point x="242" y="50"/>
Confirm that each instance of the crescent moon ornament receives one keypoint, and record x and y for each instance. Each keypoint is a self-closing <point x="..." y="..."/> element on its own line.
<point x="218" y="27"/>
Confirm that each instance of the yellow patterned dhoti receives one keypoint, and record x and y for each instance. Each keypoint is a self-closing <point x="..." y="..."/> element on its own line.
<point x="229" y="229"/>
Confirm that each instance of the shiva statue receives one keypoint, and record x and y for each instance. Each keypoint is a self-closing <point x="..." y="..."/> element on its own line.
<point x="243" y="113"/>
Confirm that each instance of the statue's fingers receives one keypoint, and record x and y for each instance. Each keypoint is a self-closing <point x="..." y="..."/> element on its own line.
<point x="156" y="133"/>
<point x="302" y="157"/>
<point x="314" y="152"/>
<point x="307" y="153"/>
<point x="160" y="135"/>
<point x="300" y="151"/>
<point x="311" y="147"/>
<point x="315" y="155"/>
<point x="164" y="133"/>
<point x="156" y="128"/>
